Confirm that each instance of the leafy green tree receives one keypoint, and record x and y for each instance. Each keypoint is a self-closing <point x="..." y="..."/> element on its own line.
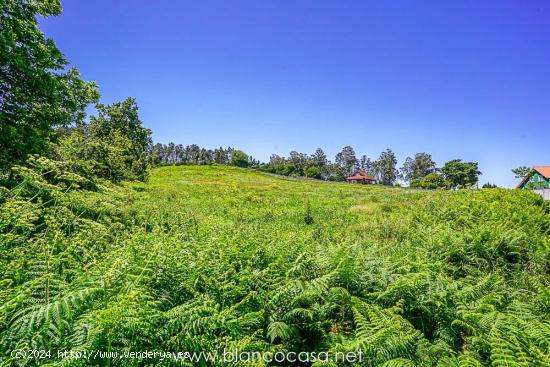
<point x="489" y="185"/>
<point x="431" y="181"/>
<point x="461" y="174"/>
<point x="521" y="172"/>
<point x="114" y="144"/>
<point x="417" y="167"/>
<point x="37" y="92"/>
<point x="276" y="159"/>
<point x="313" y="172"/>
<point x="239" y="158"/>
<point x="124" y="118"/>
<point x="385" y="167"/>
<point x="319" y="158"/>
<point x="220" y="156"/>
<point x="156" y="154"/>
<point x="299" y="160"/>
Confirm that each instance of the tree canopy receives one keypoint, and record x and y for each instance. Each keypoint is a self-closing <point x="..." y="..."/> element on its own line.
<point x="385" y="167"/>
<point x="114" y="145"/>
<point x="37" y="90"/>
<point x="239" y="158"/>
<point x="461" y="174"/>
<point x="417" y="167"/>
<point x="522" y="171"/>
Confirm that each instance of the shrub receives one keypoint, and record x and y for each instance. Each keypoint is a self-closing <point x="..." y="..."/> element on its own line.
<point x="431" y="181"/>
<point x="313" y="172"/>
<point x="239" y="158"/>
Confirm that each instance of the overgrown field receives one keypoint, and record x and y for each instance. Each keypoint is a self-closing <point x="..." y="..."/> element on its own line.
<point x="207" y="258"/>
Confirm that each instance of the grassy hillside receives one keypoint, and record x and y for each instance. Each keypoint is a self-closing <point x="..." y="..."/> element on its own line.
<point x="204" y="258"/>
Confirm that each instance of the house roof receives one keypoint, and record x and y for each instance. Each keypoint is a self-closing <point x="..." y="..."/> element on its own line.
<point x="360" y="175"/>
<point x="543" y="170"/>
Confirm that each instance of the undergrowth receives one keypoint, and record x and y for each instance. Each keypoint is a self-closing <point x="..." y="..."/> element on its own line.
<point x="214" y="258"/>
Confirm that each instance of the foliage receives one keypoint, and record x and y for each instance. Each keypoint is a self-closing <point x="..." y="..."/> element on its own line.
<point x="415" y="169"/>
<point x="313" y="172"/>
<point x="366" y="165"/>
<point x="113" y="145"/>
<point x="521" y="172"/>
<point x="461" y="174"/>
<point x="162" y="154"/>
<point x="346" y="161"/>
<point x="431" y="181"/>
<point x="489" y="185"/>
<point x="384" y="167"/>
<point x="205" y="258"/>
<point x="37" y="92"/>
<point x="239" y="158"/>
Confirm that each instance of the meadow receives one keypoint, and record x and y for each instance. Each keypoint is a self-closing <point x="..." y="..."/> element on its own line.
<point x="207" y="258"/>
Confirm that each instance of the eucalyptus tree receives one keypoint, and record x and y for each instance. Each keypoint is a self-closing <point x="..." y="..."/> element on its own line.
<point x="346" y="160"/>
<point x="366" y="164"/>
<point x="385" y="167"/>
<point x="319" y="158"/>
<point x="417" y="167"/>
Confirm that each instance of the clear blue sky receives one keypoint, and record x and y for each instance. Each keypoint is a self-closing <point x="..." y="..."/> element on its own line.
<point x="457" y="79"/>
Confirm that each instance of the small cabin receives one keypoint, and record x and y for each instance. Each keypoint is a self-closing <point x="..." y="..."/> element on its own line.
<point x="361" y="177"/>
<point x="537" y="179"/>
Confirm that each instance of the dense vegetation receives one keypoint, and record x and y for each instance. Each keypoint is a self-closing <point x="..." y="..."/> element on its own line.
<point x="38" y="92"/>
<point x="93" y="257"/>
<point x="204" y="258"/>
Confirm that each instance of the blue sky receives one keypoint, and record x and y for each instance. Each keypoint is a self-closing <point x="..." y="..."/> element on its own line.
<point x="457" y="79"/>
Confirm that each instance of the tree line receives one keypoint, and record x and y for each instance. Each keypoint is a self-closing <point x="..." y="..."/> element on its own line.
<point x="171" y="153"/>
<point x="418" y="171"/>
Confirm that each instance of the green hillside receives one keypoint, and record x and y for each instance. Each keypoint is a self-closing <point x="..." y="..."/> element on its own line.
<point x="207" y="258"/>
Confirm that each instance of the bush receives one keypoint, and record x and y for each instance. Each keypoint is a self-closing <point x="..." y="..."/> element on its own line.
<point x="431" y="181"/>
<point x="112" y="146"/>
<point x="239" y="158"/>
<point x="313" y="172"/>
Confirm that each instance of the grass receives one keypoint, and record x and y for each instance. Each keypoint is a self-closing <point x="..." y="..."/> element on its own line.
<point x="203" y="258"/>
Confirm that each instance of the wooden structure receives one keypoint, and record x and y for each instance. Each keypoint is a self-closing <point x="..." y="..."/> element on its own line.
<point x="361" y="177"/>
<point x="537" y="178"/>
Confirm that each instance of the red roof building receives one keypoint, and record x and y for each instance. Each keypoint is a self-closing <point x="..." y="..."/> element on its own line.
<point x="361" y="177"/>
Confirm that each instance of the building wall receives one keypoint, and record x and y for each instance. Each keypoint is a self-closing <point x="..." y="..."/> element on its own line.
<point x="544" y="192"/>
<point x="536" y="181"/>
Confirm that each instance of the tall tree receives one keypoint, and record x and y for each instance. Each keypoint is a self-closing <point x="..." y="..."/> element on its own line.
<point x="385" y="167"/>
<point x="156" y="154"/>
<point x="346" y="160"/>
<point x="114" y="143"/>
<point x="276" y="159"/>
<point x="417" y="167"/>
<point x="299" y="160"/>
<point x="37" y="92"/>
<point x="521" y="172"/>
<point x="366" y="164"/>
<point x="319" y="158"/>
<point x="193" y="152"/>
<point x="124" y="118"/>
<point x="220" y="156"/>
<point x="461" y="174"/>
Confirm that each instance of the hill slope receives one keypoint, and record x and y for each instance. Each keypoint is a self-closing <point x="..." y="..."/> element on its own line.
<point x="205" y="258"/>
